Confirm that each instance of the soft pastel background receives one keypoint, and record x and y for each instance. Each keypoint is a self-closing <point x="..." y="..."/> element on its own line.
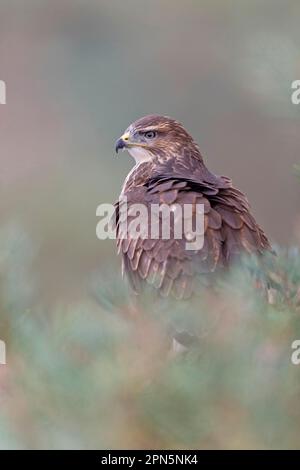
<point x="77" y="73"/>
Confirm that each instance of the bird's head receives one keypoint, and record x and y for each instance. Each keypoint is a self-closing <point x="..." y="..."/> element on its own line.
<point x="155" y="136"/>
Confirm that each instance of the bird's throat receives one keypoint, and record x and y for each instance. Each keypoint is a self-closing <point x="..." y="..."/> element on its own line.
<point x="140" y="154"/>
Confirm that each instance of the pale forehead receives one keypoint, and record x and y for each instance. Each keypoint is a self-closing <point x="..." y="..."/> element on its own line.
<point x="133" y="128"/>
<point x="151" y="122"/>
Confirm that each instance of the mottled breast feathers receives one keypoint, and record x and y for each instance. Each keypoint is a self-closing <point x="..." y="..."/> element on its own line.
<point x="229" y="230"/>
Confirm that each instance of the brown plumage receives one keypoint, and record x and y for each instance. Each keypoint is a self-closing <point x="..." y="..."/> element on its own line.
<point x="170" y="169"/>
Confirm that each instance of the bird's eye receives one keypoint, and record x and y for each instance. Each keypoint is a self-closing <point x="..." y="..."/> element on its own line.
<point x="150" y="134"/>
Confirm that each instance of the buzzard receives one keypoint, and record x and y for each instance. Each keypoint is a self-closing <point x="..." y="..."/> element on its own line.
<point x="169" y="169"/>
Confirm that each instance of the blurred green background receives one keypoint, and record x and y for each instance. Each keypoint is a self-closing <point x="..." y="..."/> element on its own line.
<point x="77" y="73"/>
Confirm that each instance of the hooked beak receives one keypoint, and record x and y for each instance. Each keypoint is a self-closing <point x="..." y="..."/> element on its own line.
<point x="122" y="142"/>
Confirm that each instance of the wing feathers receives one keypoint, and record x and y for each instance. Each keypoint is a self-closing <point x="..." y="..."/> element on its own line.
<point x="230" y="230"/>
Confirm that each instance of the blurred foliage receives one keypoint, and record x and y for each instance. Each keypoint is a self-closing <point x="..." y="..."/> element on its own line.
<point x="99" y="373"/>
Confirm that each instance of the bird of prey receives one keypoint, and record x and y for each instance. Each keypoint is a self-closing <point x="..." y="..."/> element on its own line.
<point x="169" y="169"/>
